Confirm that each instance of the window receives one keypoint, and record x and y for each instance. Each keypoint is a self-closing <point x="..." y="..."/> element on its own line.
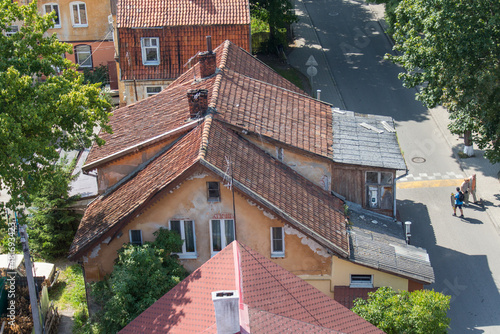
<point x="361" y="281"/>
<point x="79" y="14"/>
<point x="11" y="30"/>
<point x="379" y="190"/>
<point x="280" y="154"/>
<point x="277" y="242"/>
<point x="213" y="191"/>
<point x="152" y="90"/>
<point x="221" y="234"/>
<point x="150" y="47"/>
<point x="52" y="7"/>
<point x="135" y="237"/>
<point x="83" y="56"/>
<point x="185" y="228"/>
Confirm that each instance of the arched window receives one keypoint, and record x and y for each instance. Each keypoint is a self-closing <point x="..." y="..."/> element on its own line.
<point x="83" y="55"/>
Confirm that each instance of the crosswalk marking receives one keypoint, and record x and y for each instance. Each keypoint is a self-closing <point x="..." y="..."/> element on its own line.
<point x="429" y="183"/>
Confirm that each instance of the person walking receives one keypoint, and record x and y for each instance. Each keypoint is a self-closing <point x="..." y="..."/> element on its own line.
<point x="473" y="188"/>
<point x="459" y="201"/>
<point x="465" y="187"/>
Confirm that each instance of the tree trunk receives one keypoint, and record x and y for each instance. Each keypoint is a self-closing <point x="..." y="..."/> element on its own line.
<point x="468" y="144"/>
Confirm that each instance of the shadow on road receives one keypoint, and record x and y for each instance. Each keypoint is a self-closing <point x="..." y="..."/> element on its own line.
<point x="467" y="279"/>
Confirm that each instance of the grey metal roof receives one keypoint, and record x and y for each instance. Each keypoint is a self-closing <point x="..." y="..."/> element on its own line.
<point x="355" y="144"/>
<point x="379" y="243"/>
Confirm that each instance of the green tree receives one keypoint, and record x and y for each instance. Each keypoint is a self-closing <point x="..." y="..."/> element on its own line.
<point x="278" y="14"/>
<point x="141" y="275"/>
<point x="44" y="104"/>
<point x="418" y="312"/>
<point x="53" y="222"/>
<point x="450" y="49"/>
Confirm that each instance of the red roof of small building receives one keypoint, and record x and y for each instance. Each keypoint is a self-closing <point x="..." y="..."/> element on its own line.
<point x="271" y="298"/>
<point x="163" y="13"/>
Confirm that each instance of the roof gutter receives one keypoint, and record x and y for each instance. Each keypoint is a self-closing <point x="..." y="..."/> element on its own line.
<point x="136" y="147"/>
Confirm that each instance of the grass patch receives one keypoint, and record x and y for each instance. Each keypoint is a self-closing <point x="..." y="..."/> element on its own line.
<point x="69" y="291"/>
<point x="292" y="75"/>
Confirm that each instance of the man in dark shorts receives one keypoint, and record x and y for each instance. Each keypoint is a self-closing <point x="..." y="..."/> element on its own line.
<point x="458" y="203"/>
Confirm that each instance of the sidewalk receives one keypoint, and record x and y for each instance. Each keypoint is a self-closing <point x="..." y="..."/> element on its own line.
<point x="307" y="44"/>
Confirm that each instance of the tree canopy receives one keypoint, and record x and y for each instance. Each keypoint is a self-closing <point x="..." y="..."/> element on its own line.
<point x="450" y="49"/>
<point x="418" y="312"/>
<point x="141" y="275"/>
<point x="44" y="105"/>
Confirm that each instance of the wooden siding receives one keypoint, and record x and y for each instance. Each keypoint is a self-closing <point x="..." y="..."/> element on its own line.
<point x="177" y="46"/>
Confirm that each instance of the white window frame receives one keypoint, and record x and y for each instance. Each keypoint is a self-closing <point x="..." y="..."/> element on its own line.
<point x="144" y="49"/>
<point x="130" y="237"/>
<point x="361" y="281"/>
<point x="184" y="254"/>
<point x="14" y="29"/>
<point x="224" y="242"/>
<point x="78" y="24"/>
<point x="77" y="58"/>
<point x="276" y="253"/>
<point x="149" y="94"/>
<point x="52" y="5"/>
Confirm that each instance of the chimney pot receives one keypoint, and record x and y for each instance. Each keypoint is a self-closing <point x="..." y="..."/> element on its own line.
<point x="198" y="102"/>
<point x="227" y="313"/>
<point x="209" y="43"/>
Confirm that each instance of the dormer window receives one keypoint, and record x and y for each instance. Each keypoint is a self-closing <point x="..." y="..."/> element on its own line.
<point x="150" y="48"/>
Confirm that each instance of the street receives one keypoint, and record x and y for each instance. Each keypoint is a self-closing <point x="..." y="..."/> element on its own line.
<point x="349" y="43"/>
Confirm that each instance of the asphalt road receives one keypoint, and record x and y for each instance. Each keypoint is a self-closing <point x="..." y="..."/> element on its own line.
<point x="464" y="252"/>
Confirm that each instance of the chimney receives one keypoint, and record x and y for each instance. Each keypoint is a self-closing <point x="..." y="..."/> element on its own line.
<point x="227" y="314"/>
<point x="198" y="102"/>
<point x="207" y="60"/>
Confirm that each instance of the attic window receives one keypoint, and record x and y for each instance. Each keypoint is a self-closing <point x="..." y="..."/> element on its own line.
<point x="213" y="191"/>
<point x="150" y="48"/>
<point x="361" y="281"/>
<point x="135" y="237"/>
<point x="280" y="154"/>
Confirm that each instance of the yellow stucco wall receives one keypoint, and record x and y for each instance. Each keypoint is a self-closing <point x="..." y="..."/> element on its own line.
<point x="97" y="28"/>
<point x="127" y="89"/>
<point x="111" y="173"/>
<point x="316" y="170"/>
<point x="342" y="270"/>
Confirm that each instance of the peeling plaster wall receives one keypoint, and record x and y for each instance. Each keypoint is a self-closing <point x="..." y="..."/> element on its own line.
<point x="127" y="89"/>
<point x="189" y="201"/>
<point x="316" y="170"/>
<point x="111" y="173"/>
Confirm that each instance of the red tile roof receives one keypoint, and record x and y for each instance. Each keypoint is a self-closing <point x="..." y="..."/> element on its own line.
<point x="346" y="295"/>
<point x="297" y="200"/>
<point x="162" y="13"/>
<point x="275" y="299"/>
<point x="109" y="209"/>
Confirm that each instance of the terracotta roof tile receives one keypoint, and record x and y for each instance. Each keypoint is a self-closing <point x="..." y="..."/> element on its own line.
<point x="145" y="119"/>
<point x="275" y="298"/>
<point x="109" y="209"/>
<point x="297" y="198"/>
<point x="162" y="13"/>
<point x="346" y="295"/>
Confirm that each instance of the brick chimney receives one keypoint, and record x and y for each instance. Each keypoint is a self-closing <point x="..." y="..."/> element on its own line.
<point x="207" y="60"/>
<point x="227" y="313"/>
<point x="198" y="102"/>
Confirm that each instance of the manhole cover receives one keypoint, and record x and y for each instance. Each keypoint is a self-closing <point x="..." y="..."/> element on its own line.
<point x="418" y="160"/>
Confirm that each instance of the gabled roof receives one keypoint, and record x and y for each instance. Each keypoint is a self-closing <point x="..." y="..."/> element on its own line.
<point x="169" y="13"/>
<point x="271" y="298"/>
<point x="256" y="174"/>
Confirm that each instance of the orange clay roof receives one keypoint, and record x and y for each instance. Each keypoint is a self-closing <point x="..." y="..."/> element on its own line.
<point x="271" y="298"/>
<point x="163" y="13"/>
<point x="256" y="174"/>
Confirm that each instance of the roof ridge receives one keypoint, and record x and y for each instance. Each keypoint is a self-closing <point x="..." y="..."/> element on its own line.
<point x="204" y="137"/>
<point x="225" y="53"/>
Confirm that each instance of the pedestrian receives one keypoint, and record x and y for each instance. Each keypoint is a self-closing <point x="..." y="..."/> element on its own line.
<point x="473" y="188"/>
<point x="459" y="201"/>
<point x="465" y="187"/>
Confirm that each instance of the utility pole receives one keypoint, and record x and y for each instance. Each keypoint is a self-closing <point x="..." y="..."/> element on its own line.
<point x="31" y="282"/>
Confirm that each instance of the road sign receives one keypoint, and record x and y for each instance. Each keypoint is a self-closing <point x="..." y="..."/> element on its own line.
<point x="311" y="61"/>
<point x="312" y="71"/>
